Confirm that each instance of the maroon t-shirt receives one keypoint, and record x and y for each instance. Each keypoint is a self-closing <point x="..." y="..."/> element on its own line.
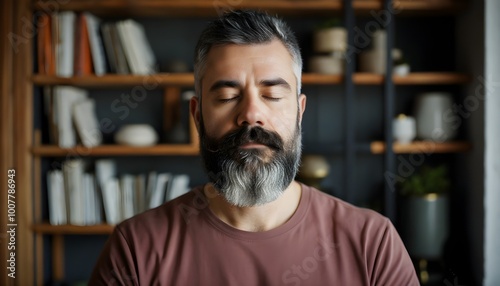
<point x="325" y="242"/>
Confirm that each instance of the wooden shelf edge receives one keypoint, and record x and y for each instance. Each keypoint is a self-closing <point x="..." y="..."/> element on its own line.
<point x="46" y="228"/>
<point x="116" y="150"/>
<point x="415" y="78"/>
<point x="113" y="80"/>
<point x="423" y="147"/>
<point x="187" y="79"/>
<point x="211" y="8"/>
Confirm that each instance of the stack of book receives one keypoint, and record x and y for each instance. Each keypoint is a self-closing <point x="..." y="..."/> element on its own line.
<point x="71" y="44"/>
<point x="78" y="198"/>
<point x="72" y="116"/>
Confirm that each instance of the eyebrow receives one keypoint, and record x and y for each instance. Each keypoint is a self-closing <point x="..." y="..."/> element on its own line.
<point x="224" y="83"/>
<point x="235" y="84"/>
<point x="276" y="82"/>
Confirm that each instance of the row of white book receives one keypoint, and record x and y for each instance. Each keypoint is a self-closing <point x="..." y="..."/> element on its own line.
<point x="79" y="198"/>
<point x="72" y="112"/>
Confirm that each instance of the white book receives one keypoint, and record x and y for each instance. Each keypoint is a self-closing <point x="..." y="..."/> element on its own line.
<point x="88" y="200"/>
<point x="97" y="201"/>
<point x="64" y="99"/>
<point x="127" y="44"/>
<point x="111" y="199"/>
<point x="96" y="44"/>
<point x="150" y="187"/>
<point x="158" y="195"/>
<point x="127" y="186"/>
<point x="86" y="123"/>
<point x="107" y="39"/>
<point x="141" y="46"/>
<point x="178" y="187"/>
<point x="65" y="47"/>
<point x="140" y="194"/>
<point x="105" y="169"/>
<point x="73" y="178"/>
<point x="122" y="66"/>
<point x="56" y="197"/>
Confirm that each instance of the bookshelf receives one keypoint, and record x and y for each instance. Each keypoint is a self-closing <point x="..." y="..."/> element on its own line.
<point x="30" y="151"/>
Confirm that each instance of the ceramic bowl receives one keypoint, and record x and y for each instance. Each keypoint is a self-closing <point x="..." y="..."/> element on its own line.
<point x="136" y="135"/>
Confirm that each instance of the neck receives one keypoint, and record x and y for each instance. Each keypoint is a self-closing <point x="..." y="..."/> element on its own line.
<point x="257" y="218"/>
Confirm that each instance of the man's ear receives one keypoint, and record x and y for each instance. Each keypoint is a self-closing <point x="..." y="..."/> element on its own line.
<point x="302" y="105"/>
<point x="194" y="109"/>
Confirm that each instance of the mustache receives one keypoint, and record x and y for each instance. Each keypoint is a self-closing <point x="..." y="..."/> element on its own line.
<point x="244" y="135"/>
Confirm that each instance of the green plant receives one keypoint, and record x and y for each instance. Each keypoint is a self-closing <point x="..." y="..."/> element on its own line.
<point x="330" y="23"/>
<point x="426" y="181"/>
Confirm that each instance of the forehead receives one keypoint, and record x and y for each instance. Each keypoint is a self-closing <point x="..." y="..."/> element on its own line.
<point x="270" y="59"/>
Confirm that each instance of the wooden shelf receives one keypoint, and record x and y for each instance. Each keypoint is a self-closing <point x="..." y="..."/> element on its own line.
<point x="117" y="150"/>
<point x="115" y="80"/>
<point x="417" y="78"/>
<point x="46" y="228"/>
<point x="211" y="8"/>
<point x="187" y="79"/>
<point x="427" y="147"/>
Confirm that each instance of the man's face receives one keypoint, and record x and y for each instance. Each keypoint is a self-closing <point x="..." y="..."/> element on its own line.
<point x="249" y="121"/>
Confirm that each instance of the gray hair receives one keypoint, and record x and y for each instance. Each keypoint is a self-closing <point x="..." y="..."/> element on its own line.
<point x="245" y="28"/>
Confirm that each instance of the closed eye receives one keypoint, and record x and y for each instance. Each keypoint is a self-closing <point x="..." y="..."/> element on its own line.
<point x="225" y="100"/>
<point x="275" y="99"/>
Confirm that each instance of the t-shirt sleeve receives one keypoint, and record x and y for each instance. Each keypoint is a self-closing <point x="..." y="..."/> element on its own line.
<point x="116" y="265"/>
<point x="392" y="264"/>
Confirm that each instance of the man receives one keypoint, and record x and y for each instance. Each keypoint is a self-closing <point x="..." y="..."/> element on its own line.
<point x="252" y="224"/>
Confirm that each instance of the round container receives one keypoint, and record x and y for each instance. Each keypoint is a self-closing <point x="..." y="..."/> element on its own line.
<point x="372" y="61"/>
<point x="136" y="135"/>
<point x="327" y="64"/>
<point x="430" y="113"/>
<point x="330" y="40"/>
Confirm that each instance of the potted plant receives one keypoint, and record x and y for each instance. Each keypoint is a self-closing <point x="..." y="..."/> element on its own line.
<point x="330" y="45"/>
<point x="330" y="37"/>
<point x="424" y="215"/>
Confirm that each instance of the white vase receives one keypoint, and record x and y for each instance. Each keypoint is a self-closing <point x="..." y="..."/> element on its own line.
<point x="404" y="129"/>
<point x="430" y="111"/>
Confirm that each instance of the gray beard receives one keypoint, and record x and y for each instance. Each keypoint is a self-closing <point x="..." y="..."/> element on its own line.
<point x="257" y="183"/>
<point x="252" y="177"/>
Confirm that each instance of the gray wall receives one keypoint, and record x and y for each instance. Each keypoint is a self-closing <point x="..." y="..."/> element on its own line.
<point x="492" y="146"/>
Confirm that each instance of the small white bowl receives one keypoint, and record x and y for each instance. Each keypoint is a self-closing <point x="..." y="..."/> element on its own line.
<point x="136" y="135"/>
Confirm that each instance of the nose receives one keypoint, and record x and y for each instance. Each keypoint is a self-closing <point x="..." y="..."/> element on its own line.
<point x="251" y="110"/>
